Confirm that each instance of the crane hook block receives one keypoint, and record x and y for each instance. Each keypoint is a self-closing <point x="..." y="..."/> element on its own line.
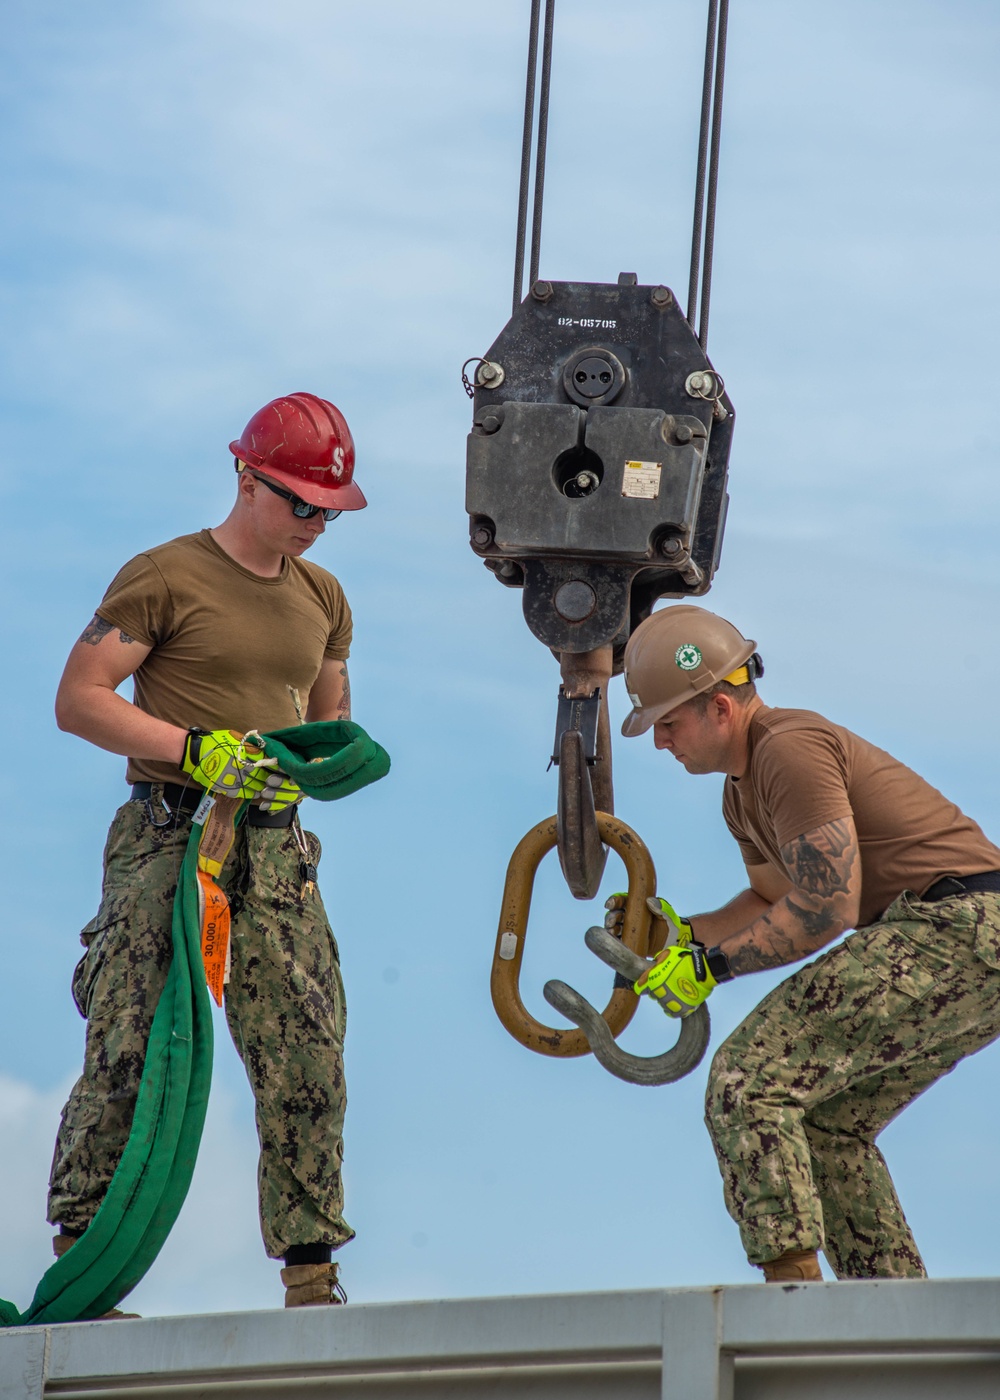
<point x="597" y="462"/>
<point x="509" y="950"/>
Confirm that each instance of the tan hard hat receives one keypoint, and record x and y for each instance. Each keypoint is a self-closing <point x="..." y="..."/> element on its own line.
<point x="676" y="654"/>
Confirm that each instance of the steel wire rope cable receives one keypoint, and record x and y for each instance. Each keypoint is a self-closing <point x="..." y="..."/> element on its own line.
<point x="703" y="223"/>
<point x="543" y="136"/>
<point x="713" y="173"/>
<point x="697" y="226"/>
<point x="540" y="149"/>
<point x="707" y="176"/>
<point x="529" y="115"/>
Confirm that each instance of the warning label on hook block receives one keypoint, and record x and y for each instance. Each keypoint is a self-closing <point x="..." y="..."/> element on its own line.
<point x="641" y="480"/>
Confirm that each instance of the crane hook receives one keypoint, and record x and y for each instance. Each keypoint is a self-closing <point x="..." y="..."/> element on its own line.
<point x="672" y="1065"/>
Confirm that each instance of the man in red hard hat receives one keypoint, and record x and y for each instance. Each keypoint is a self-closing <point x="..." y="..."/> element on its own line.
<point x="224" y="631"/>
<point x="835" y="834"/>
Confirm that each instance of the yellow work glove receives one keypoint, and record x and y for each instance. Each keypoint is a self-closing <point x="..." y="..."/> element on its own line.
<point x="680" y="931"/>
<point x="278" y="792"/>
<point x="679" y="980"/>
<point x="224" y="765"/>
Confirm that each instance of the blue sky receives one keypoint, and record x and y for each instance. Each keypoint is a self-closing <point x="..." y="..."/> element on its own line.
<point x="207" y="204"/>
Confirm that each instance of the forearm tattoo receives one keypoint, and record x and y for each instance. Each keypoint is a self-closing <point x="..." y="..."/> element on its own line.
<point x="750" y="958"/>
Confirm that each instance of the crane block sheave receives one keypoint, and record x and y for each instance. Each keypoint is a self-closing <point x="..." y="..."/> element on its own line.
<point x="597" y="460"/>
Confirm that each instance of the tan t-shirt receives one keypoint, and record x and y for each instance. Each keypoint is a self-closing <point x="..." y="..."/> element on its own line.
<point x="229" y="647"/>
<point x="805" y="771"/>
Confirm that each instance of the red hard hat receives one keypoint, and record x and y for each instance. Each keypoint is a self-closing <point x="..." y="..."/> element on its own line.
<point x="303" y="442"/>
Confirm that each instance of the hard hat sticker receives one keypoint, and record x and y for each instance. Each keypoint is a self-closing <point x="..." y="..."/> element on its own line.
<point x="688" y="657"/>
<point x="641" y="480"/>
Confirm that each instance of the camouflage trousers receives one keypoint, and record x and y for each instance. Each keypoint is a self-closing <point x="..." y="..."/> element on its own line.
<point x="284" y="1005"/>
<point x="800" y="1091"/>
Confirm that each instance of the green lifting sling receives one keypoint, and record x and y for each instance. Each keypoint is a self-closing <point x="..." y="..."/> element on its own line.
<point x="328" y="761"/>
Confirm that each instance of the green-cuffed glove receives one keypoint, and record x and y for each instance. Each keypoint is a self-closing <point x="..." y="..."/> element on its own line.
<point x="224" y="764"/>
<point x="680" y="932"/>
<point x="679" y="979"/>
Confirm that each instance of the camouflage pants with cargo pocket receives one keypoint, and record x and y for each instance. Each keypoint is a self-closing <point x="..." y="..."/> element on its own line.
<point x="284" y="1004"/>
<point x="800" y="1091"/>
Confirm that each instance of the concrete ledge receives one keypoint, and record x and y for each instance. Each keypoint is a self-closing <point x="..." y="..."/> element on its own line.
<point x="810" y="1341"/>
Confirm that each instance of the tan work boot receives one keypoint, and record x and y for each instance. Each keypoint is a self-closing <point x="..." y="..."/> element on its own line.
<point x="797" y="1266"/>
<point x="309" y="1285"/>
<point x="60" y="1244"/>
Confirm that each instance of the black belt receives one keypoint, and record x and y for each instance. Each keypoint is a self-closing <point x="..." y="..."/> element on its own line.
<point x="185" y="800"/>
<point x="953" y="885"/>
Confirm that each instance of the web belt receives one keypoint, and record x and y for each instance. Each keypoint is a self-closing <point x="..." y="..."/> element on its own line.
<point x="951" y="886"/>
<point x="185" y="800"/>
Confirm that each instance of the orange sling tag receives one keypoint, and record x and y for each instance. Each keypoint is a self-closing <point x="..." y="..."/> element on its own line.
<point x="218" y="834"/>
<point x="213" y="914"/>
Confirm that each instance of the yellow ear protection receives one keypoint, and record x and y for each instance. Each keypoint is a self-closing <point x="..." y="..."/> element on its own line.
<point x="748" y="672"/>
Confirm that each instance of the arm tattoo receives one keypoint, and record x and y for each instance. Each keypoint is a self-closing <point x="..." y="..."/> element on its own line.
<point x="781" y="949"/>
<point x="824" y="867"/>
<point x="344" y="704"/>
<point x="815" y="922"/>
<point x="821" y="866"/>
<point x="752" y="959"/>
<point x="97" y="629"/>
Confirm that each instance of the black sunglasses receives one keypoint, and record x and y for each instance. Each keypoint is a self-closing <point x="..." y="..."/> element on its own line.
<point x="300" y="508"/>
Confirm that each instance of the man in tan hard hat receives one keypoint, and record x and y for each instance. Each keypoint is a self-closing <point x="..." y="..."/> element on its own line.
<point x="835" y="835"/>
